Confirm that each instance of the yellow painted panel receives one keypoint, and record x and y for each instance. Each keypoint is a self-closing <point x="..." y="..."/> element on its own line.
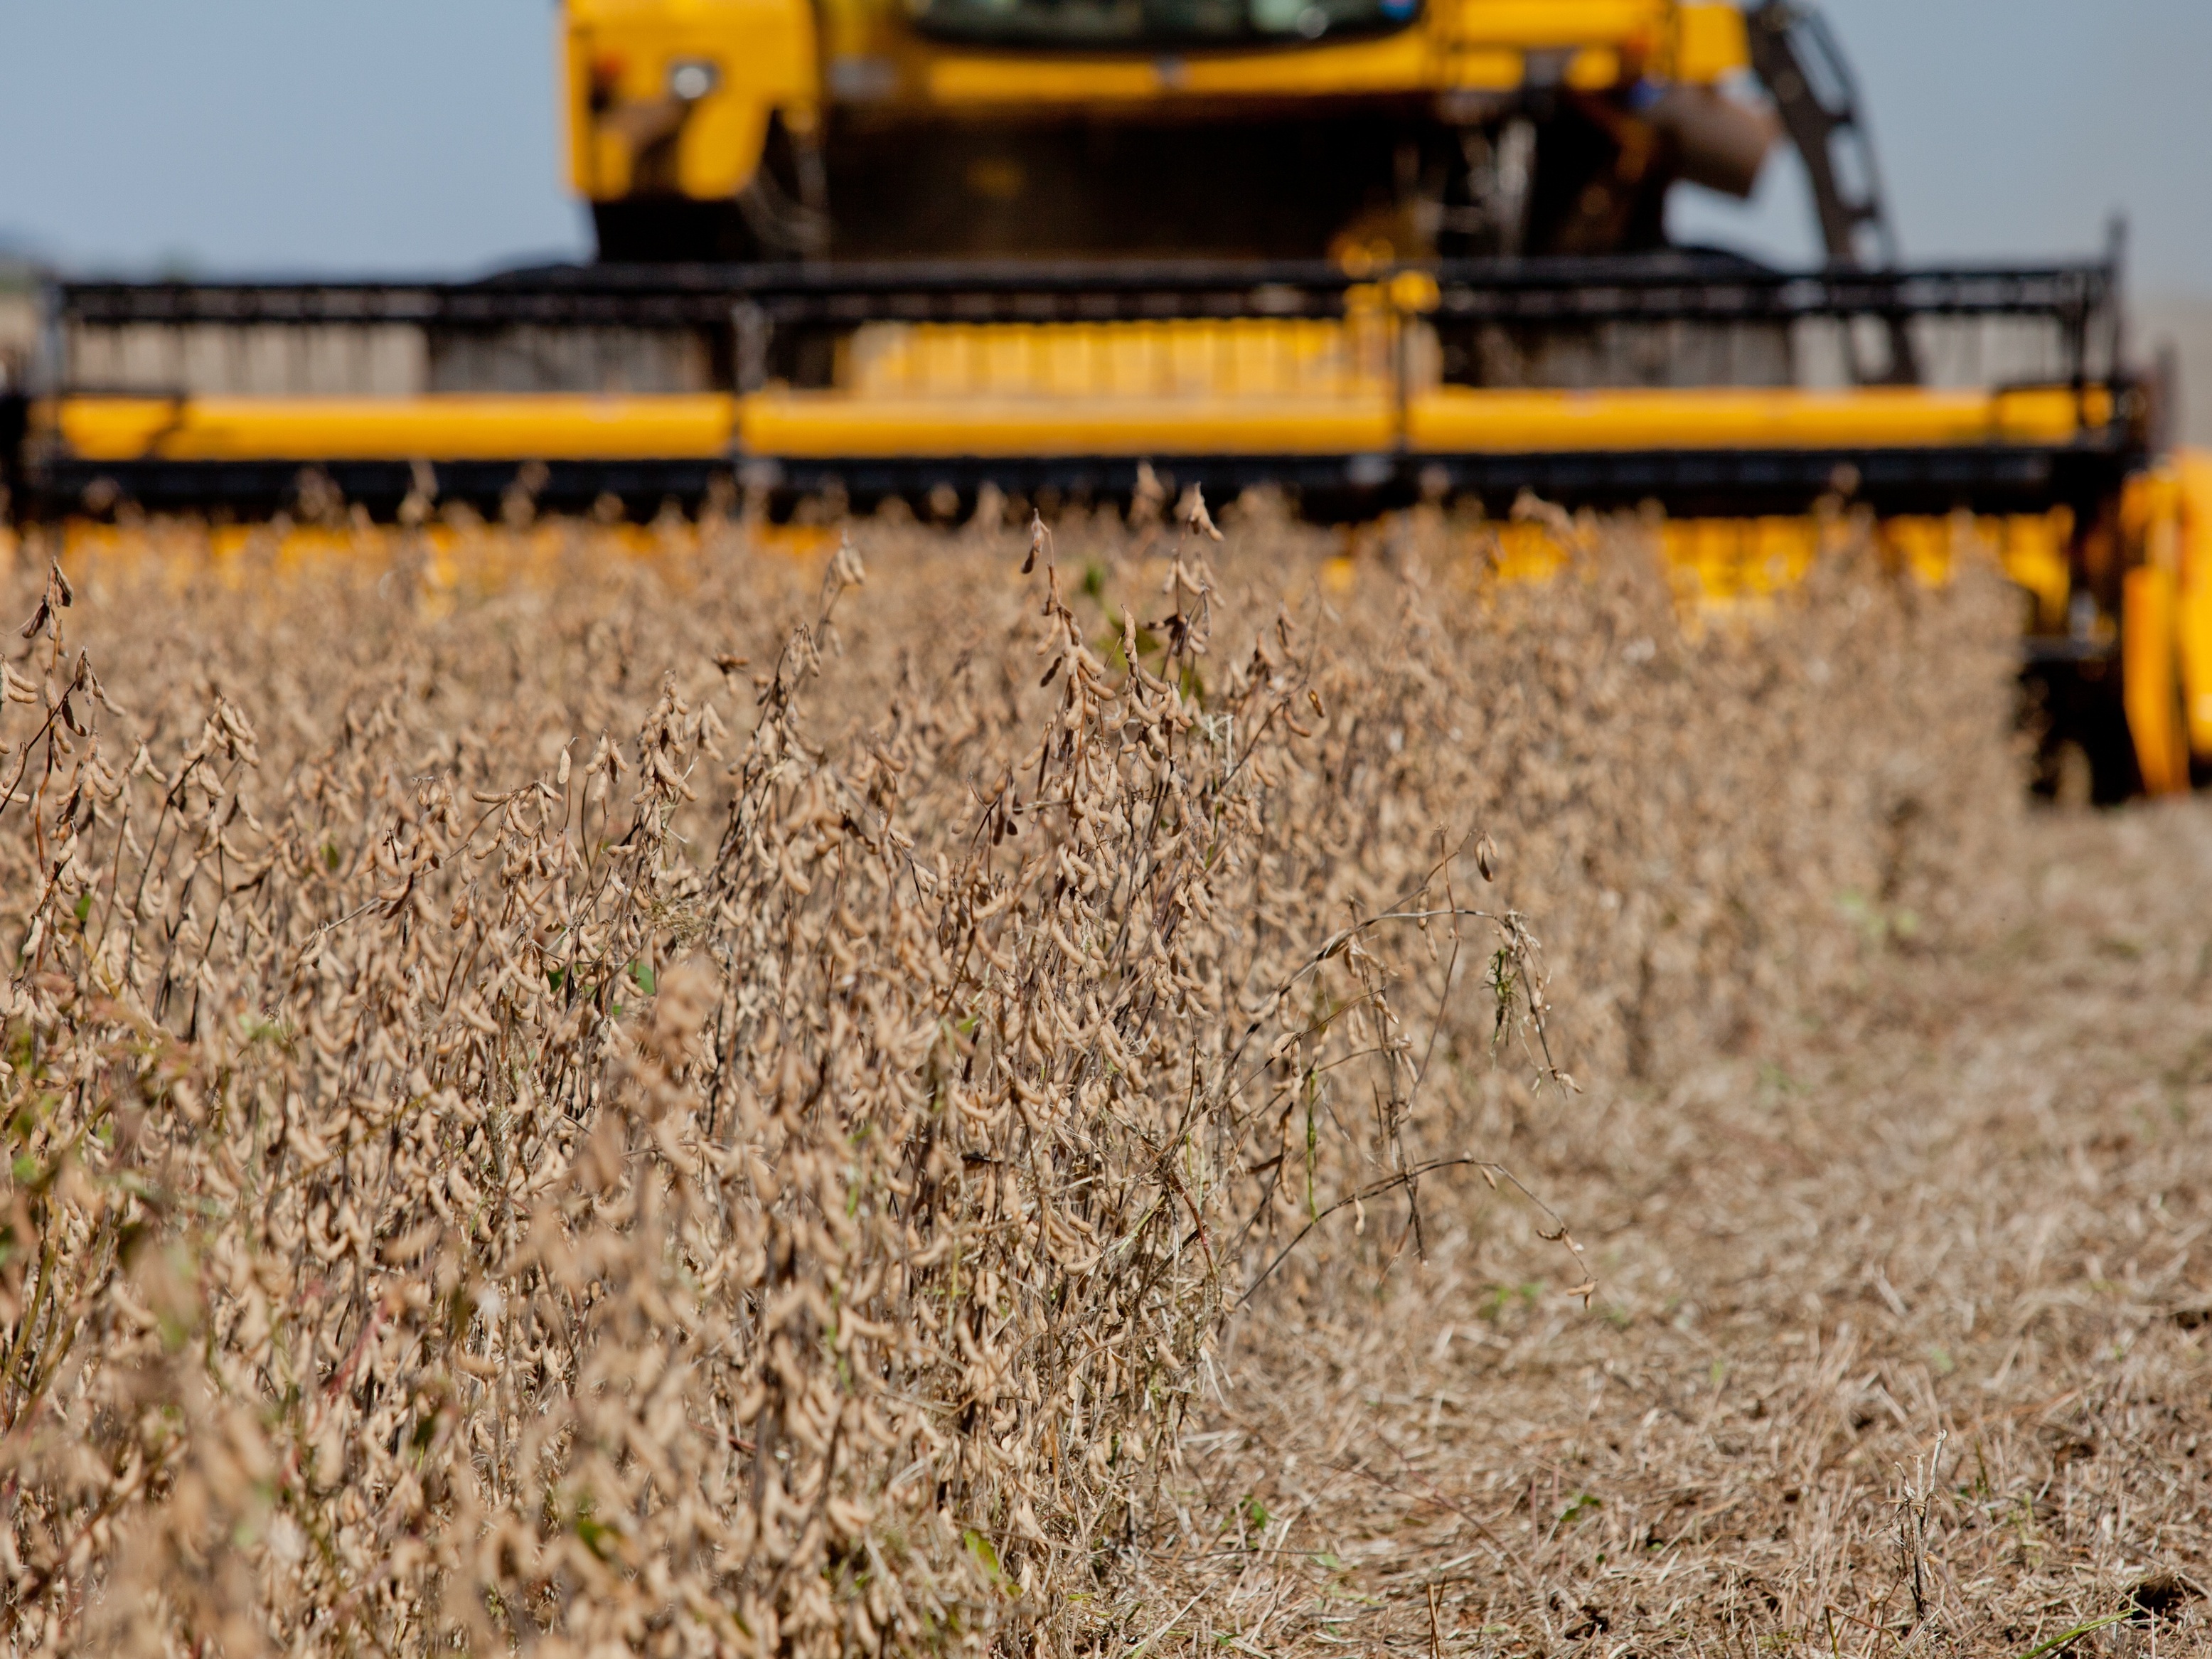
<point x="830" y="425"/>
<point x="573" y="56"/>
<point x="1550" y="25"/>
<point x="2032" y="548"/>
<point x="1524" y="550"/>
<point x="113" y="428"/>
<point x="1458" y="419"/>
<point x="539" y="426"/>
<point x="1484" y="70"/>
<point x="1594" y="68"/>
<point x="1709" y="42"/>
<point x="1191" y="358"/>
<point x="1923" y="544"/>
<point x="2148" y="689"/>
<point x="1740" y="558"/>
<point x="719" y="147"/>
<point x="1403" y="60"/>
<point x="610" y="162"/>
<point x="2193" y="470"/>
<point x="1042" y="81"/>
<point x="763" y="58"/>
<point x="1102" y="380"/>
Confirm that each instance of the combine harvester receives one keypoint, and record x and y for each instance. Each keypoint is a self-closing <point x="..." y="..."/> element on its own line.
<point x="1370" y="251"/>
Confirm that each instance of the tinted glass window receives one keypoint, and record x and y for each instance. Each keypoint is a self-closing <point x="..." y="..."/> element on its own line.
<point x="1145" y="23"/>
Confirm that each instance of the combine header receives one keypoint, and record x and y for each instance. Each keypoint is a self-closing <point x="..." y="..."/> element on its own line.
<point x="883" y="378"/>
<point x="1371" y="252"/>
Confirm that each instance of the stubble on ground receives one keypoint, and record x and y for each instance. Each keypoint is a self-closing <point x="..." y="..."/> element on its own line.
<point x="1899" y="1342"/>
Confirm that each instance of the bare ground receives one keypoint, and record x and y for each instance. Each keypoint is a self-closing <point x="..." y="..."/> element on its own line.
<point x="1963" y="1220"/>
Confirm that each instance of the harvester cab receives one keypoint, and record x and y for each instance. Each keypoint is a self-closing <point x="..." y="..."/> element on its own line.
<point x="1383" y="129"/>
<point x="1368" y="251"/>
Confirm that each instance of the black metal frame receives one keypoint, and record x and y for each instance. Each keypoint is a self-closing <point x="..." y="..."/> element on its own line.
<point x="1803" y="68"/>
<point x="1710" y="287"/>
<point x="1687" y="483"/>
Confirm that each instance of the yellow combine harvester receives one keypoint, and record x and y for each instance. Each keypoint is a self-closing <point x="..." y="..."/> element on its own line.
<point x="1370" y="251"/>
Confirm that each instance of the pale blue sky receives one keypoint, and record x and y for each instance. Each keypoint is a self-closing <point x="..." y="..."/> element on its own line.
<point x="296" y="135"/>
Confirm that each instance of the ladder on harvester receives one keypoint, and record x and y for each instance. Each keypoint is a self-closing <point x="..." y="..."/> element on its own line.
<point x="1796" y="56"/>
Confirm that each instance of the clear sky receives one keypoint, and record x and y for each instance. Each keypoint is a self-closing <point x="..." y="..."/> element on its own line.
<point x="299" y="136"/>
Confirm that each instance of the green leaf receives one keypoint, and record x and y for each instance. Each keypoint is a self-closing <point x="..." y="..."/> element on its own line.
<point x="2068" y="1637"/>
<point x="987" y="1557"/>
<point x="594" y="1535"/>
<point x="1581" y="1503"/>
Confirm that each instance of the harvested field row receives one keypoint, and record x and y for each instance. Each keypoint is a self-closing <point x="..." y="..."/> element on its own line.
<point x="1955" y="1218"/>
<point x="908" y="1099"/>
